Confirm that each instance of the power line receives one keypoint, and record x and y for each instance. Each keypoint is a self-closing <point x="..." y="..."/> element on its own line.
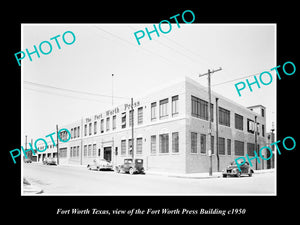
<point x="73" y="91"/>
<point x="237" y="79"/>
<point x="68" y="96"/>
<point x="136" y="46"/>
<point x="192" y="59"/>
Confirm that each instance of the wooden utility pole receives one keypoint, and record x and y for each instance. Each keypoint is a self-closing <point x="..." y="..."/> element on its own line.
<point x="57" y="144"/>
<point x="255" y="140"/>
<point x="132" y="130"/>
<point x="209" y="117"/>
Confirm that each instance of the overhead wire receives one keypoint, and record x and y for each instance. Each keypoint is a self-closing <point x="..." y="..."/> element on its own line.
<point x="73" y="91"/>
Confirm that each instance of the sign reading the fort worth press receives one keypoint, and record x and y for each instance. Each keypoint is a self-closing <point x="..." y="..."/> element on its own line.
<point x="113" y="111"/>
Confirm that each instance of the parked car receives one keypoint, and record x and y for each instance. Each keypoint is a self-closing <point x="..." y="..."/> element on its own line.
<point x="131" y="166"/>
<point x="49" y="161"/>
<point x="27" y="160"/>
<point x="232" y="170"/>
<point x="100" y="164"/>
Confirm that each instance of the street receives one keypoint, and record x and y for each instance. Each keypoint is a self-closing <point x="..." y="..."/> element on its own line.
<point x="78" y="180"/>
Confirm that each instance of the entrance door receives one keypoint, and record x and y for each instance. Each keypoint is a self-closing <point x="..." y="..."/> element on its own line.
<point x="107" y="153"/>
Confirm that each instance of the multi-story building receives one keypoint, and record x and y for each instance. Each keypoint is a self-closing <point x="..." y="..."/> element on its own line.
<point x="170" y="132"/>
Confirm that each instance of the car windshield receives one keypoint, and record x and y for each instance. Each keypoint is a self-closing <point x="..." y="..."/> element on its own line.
<point x="139" y="161"/>
<point x="128" y="161"/>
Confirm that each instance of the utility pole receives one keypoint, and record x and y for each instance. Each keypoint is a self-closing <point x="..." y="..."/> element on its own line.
<point x="209" y="117"/>
<point x="255" y="139"/>
<point x="132" y="130"/>
<point x="112" y="90"/>
<point x="57" y="144"/>
<point x="81" y="135"/>
<point x="217" y="133"/>
<point x="26" y="145"/>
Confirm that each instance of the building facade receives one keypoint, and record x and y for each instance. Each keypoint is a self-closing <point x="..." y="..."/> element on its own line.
<point x="170" y="132"/>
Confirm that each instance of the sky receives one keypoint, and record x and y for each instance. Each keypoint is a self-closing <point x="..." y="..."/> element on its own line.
<point x="101" y="50"/>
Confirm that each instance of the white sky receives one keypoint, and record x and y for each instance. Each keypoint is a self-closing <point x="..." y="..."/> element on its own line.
<point x="103" y="49"/>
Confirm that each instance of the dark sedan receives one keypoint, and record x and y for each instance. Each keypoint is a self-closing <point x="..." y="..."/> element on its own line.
<point x="131" y="166"/>
<point x="232" y="170"/>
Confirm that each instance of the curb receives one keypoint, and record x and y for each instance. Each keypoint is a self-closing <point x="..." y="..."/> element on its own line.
<point x="202" y="176"/>
<point x="28" y="188"/>
<point x="185" y="175"/>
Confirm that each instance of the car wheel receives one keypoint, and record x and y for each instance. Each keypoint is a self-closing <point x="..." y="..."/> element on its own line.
<point x="224" y="175"/>
<point x="250" y="174"/>
<point x="117" y="169"/>
<point x="88" y="166"/>
<point x="131" y="171"/>
<point x="98" y="168"/>
<point x="238" y="174"/>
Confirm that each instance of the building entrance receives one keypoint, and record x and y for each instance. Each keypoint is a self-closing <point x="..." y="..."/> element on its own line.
<point x="107" y="153"/>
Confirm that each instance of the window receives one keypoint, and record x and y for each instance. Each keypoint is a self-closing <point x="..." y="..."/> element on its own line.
<point x="123" y="122"/>
<point x="238" y="147"/>
<point x="85" y="151"/>
<point x="203" y="143"/>
<point x="85" y="129"/>
<point x="102" y="126"/>
<point x="250" y="126"/>
<point x="238" y="122"/>
<point x="153" y="110"/>
<point x="77" y="151"/>
<point x="153" y="144"/>
<point x="72" y="133"/>
<point x="200" y="109"/>
<point x="175" y="105"/>
<point x="75" y="132"/>
<point x="263" y="112"/>
<point x="250" y="149"/>
<point x="163" y="108"/>
<point x="164" y="143"/>
<point x="224" y="116"/>
<point x="71" y="152"/>
<point x="107" y="123"/>
<point x="139" y="145"/>
<point x="175" y="142"/>
<point x="193" y="142"/>
<point x="212" y="144"/>
<point x="95" y="127"/>
<point x="263" y="130"/>
<point x="228" y="146"/>
<point x="63" y="152"/>
<point x="89" y="150"/>
<point x="221" y="146"/>
<point x="140" y="115"/>
<point x="123" y="147"/>
<point x="78" y="131"/>
<point x="94" y="149"/>
<point x="114" y="122"/>
<point x="90" y="128"/>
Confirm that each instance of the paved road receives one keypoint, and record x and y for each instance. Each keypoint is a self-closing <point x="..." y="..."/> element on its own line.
<point x="75" y="180"/>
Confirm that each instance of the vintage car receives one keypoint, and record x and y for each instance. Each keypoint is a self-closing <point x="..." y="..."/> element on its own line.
<point x="131" y="166"/>
<point x="232" y="170"/>
<point x="100" y="164"/>
<point x="27" y="160"/>
<point x="49" y="161"/>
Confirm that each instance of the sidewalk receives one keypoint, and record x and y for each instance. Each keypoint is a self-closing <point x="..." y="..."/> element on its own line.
<point x="199" y="175"/>
<point x="30" y="189"/>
